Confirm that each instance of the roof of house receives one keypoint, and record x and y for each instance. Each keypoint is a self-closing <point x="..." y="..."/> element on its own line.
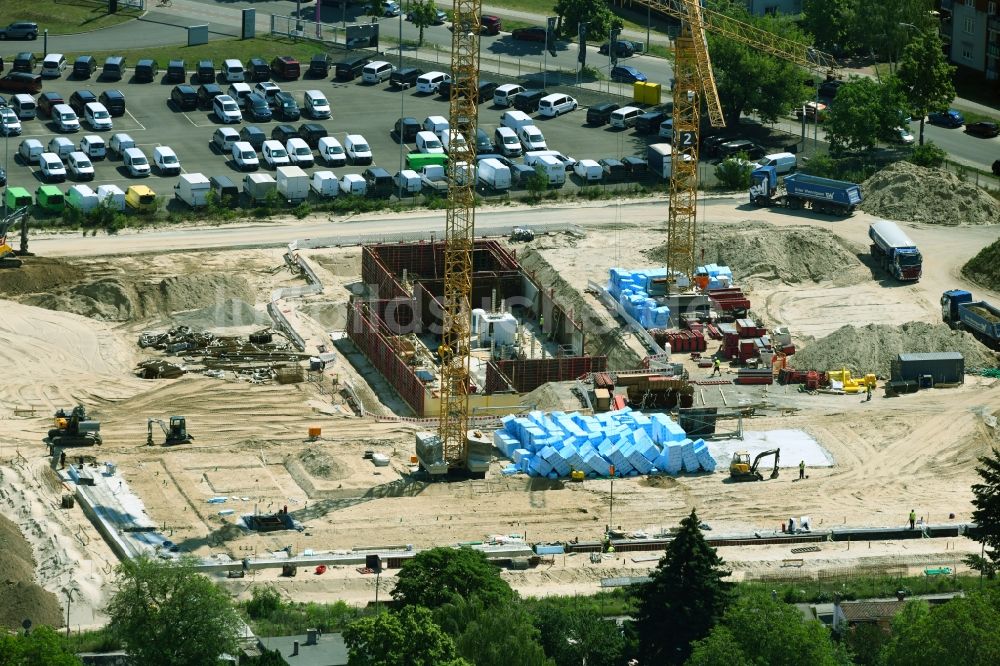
<point x="329" y="650"/>
<point x="869" y="611"/>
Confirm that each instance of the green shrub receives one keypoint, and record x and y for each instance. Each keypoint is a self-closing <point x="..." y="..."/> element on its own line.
<point x="928" y="155"/>
<point x="734" y="173"/>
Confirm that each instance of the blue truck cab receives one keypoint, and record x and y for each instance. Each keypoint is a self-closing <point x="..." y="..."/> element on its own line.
<point x="958" y="310"/>
<point x="801" y="190"/>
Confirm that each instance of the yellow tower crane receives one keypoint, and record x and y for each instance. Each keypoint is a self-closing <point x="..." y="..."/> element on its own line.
<point x="460" y="226"/>
<point x="694" y="83"/>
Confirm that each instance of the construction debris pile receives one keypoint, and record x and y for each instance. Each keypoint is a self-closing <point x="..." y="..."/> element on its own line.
<point x="260" y="356"/>
<point x="873" y="348"/>
<point x="619" y="443"/>
<point x="905" y="191"/>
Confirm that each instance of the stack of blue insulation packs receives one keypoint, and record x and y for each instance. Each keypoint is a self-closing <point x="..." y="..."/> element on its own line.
<point x="554" y="444"/>
<point x="630" y="288"/>
<point x="714" y="273"/>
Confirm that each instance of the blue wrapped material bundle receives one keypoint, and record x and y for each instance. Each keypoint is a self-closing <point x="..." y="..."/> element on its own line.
<point x="505" y="443"/>
<point x="688" y="457"/>
<point x="510" y="470"/>
<point x="705" y="459"/>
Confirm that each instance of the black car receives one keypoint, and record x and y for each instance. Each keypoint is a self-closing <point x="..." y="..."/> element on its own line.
<point x="176" y="73"/>
<point x="253" y="135"/>
<point x="80" y="99"/>
<point x="319" y="66"/>
<point x="406" y="129"/>
<point x="206" y="93"/>
<point x="527" y="100"/>
<point x="257" y="108"/>
<point x="636" y="167"/>
<point x="184" y="97"/>
<point x="484" y="144"/>
<point x="614" y="170"/>
<point x="623" y="48"/>
<point x="285" y="106"/>
<point x="20" y="30"/>
<point x="983" y="129"/>
<point x="257" y="69"/>
<point x="145" y="70"/>
<point x="483" y="94"/>
<point x="649" y="122"/>
<point x="84" y="66"/>
<point x="114" y="101"/>
<point x="284" y="132"/>
<point x="205" y="72"/>
<point x="533" y="34"/>
<point x="734" y="148"/>
<point x="599" y="114"/>
<point x="710" y="144"/>
<point x="3" y="177"/>
<point x="311" y="133"/>
<point x="829" y="89"/>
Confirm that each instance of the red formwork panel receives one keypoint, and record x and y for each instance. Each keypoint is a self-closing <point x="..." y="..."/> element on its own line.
<point x="496" y="382"/>
<point x="363" y="329"/>
<point x="528" y="374"/>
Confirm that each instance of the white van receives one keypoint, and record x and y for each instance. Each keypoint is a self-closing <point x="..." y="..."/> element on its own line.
<point x="80" y="166"/>
<point x="53" y="169"/>
<point x="65" y="118"/>
<point x="97" y="116"/>
<point x="507" y="142"/>
<point x="193" y="189"/>
<point x="82" y="198"/>
<point x="551" y="169"/>
<point x="431" y="81"/>
<point x="112" y="196"/>
<point x="30" y="150"/>
<point x="274" y="154"/>
<point x="136" y="163"/>
<point x="24" y="106"/>
<point x="245" y="157"/>
<point x="357" y="148"/>
<point x="556" y="105"/>
<point x="782" y="162"/>
<point x="240" y="91"/>
<point x="53" y="65"/>
<point x="625" y="117"/>
<point x="531" y="138"/>
<point x="94" y="147"/>
<point x="427" y="142"/>
<point x="377" y="71"/>
<point x="120" y="143"/>
<point x="299" y="152"/>
<point x="223" y="139"/>
<point x="331" y="152"/>
<point x="435" y="124"/>
<point x="589" y="171"/>
<point x="165" y="160"/>
<point x="515" y="119"/>
<point x="504" y="95"/>
<point x="232" y="70"/>
<point x="315" y="105"/>
<point x="453" y="141"/>
<point x="324" y="184"/>
<point x="353" y="183"/>
<point x="61" y="146"/>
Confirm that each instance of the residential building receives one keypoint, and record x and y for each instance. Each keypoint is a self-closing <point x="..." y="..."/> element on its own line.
<point x="971" y="31"/>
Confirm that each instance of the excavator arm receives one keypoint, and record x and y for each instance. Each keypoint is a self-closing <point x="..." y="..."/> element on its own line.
<point x="763" y="454"/>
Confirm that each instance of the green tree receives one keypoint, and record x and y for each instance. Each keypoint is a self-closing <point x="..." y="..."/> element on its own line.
<point x="492" y="635"/>
<point x="866" y="112"/>
<point x="961" y="631"/>
<point x="986" y="499"/>
<point x="865" y="643"/>
<point x="423" y="14"/>
<point x="759" y="630"/>
<point x="926" y="76"/>
<point x="831" y="23"/>
<point x="577" y="636"/>
<point x="734" y="173"/>
<point x="408" y="637"/>
<point x="749" y="80"/>
<point x="436" y="576"/>
<point x="42" y="647"/>
<point x="374" y="7"/>
<point x="167" y="614"/>
<point x="928" y="155"/>
<point x="596" y="13"/>
<point x="885" y="27"/>
<point x="685" y="598"/>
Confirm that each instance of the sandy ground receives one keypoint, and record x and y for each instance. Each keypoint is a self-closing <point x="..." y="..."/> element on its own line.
<point x="889" y="455"/>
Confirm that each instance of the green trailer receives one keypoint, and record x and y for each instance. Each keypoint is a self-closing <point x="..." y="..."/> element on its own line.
<point x="50" y="198"/>
<point x="17" y="197"/>
<point x="418" y="161"/>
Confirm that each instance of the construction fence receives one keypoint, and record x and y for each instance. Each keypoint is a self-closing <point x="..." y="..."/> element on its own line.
<point x="858" y="582"/>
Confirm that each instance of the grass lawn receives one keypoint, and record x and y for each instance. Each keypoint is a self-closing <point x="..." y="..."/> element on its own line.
<point x="64" y="16"/>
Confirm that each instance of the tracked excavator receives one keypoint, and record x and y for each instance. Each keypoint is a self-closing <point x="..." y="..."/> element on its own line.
<point x="175" y="431"/>
<point x="741" y="469"/>
<point x="73" y="428"/>
<point x="9" y="257"/>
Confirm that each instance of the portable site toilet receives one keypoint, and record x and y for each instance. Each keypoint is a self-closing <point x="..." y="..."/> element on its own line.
<point x="113" y="196"/>
<point x="82" y="198"/>
<point x="17" y="197"/>
<point x="50" y="198"/>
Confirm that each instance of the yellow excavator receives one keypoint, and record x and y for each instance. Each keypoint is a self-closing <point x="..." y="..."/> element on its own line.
<point x="175" y="431"/>
<point x="741" y="469"/>
<point x="74" y="428"/>
<point x="9" y="257"/>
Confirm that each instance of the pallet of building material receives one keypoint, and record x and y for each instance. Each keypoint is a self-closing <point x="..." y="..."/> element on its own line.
<point x="157" y="369"/>
<point x="754" y="376"/>
<point x="729" y="300"/>
<point x="290" y="374"/>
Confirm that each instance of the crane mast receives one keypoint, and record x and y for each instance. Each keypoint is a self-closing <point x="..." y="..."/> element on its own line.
<point x="460" y="224"/>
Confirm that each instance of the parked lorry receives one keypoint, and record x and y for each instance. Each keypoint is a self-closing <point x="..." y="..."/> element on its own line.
<point x="959" y="311"/>
<point x="894" y="251"/>
<point x="408" y="181"/>
<point x="193" y="189"/>
<point x="800" y="190"/>
<point x="258" y="186"/>
<point x="494" y="175"/>
<point x="434" y="177"/>
<point x="659" y="157"/>
<point x="293" y="184"/>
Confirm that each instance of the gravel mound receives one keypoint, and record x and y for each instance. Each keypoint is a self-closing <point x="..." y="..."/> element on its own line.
<point x="21" y="596"/>
<point x="984" y="268"/>
<point x="322" y="465"/>
<point x="756" y="250"/>
<point x="910" y="193"/>
<point x="872" y="348"/>
<point x="38" y="274"/>
<point x="230" y="312"/>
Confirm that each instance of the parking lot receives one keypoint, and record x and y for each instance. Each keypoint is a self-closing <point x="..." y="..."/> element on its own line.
<point x="358" y="108"/>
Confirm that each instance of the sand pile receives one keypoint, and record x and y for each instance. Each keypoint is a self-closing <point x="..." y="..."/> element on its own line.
<point x="322" y="465"/>
<point x="872" y="348"/>
<point x="116" y="299"/>
<point x="22" y="598"/>
<point x="756" y="250"/>
<point x="909" y="193"/>
<point x="984" y="268"/>
<point x="39" y="274"/>
<point x="230" y="312"/>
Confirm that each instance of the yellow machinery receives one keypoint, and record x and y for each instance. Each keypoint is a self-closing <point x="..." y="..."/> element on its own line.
<point x="741" y="469"/>
<point x="694" y="83"/>
<point x="9" y="258"/>
<point x="74" y="428"/>
<point x="460" y="225"/>
<point x="576" y="475"/>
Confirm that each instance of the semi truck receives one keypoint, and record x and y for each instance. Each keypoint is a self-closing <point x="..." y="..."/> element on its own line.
<point x="800" y="190"/>
<point x="894" y="251"/>
<point x="959" y="311"/>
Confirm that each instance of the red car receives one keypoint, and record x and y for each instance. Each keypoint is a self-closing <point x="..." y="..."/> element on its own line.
<point x="535" y="34"/>
<point x="21" y="82"/>
<point x="490" y="24"/>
